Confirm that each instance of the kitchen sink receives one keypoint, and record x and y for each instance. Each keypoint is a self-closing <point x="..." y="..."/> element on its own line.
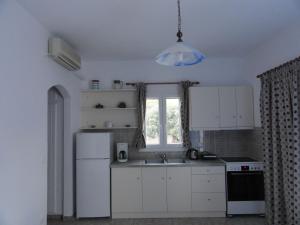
<point x="155" y="161"/>
<point x="177" y="161"/>
<point x="166" y="162"/>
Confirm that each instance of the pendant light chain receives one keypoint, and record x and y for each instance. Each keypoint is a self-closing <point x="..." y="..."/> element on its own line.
<point x="179" y="33"/>
<point x="179" y="54"/>
<point x="179" y="15"/>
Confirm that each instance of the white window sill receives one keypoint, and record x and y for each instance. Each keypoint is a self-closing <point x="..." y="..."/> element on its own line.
<point x="163" y="149"/>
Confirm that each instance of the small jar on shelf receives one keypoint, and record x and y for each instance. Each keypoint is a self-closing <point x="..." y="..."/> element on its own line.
<point x="94" y="84"/>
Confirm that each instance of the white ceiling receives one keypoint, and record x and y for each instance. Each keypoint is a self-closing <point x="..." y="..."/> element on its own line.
<point x="140" y="29"/>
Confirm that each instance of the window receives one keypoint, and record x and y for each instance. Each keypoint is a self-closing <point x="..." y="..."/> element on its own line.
<point x="163" y="123"/>
<point x="152" y="122"/>
<point x="173" y="122"/>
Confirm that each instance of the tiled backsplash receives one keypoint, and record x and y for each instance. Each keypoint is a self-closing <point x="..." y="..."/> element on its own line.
<point x="255" y="148"/>
<point x="245" y="143"/>
<point x="223" y="143"/>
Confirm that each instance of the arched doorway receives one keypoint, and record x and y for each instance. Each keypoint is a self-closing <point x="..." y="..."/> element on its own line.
<point x="59" y="142"/>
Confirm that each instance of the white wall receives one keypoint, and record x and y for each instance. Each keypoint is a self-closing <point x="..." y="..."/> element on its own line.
<point x="26" y="75"/>
<point x="284" y="47"/>
<point x="212" y="71"/>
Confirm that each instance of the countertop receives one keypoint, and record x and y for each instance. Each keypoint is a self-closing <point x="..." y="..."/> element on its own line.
<point x="189" y="163"/>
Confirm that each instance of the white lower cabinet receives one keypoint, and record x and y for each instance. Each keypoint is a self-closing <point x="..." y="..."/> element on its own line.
<point x="208" y="183"/>
<point x="154" y="189"/>
<point x="208" y="202"/>
<point x="126" y="190"/>
<point x="166" y="189"/>
<point x="208" y="189"/>
<point x="179" y="189"/>
<point x="148" y="192"/>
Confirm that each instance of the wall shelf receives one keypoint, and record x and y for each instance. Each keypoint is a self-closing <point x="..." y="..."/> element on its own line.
<point x="108" y="90"/>
<point x="110" y="99"/>
<point x="105" y="109"/>
<point x="106" y="128"/>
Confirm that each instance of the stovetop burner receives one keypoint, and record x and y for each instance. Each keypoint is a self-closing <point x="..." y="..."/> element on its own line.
<point x="238" y="159"/>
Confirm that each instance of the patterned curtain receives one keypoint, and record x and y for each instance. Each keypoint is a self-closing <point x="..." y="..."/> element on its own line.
<point x="141" y="112"/>
<point x="184" y="110"/>
<point x="280" y="113"/>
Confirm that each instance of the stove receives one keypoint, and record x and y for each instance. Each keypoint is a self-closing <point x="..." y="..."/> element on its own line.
<point x="245" y="186"/>
<point x="242" y="164"/>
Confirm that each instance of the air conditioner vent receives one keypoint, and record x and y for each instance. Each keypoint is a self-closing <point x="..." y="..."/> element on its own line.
<point x="63" y="54"/>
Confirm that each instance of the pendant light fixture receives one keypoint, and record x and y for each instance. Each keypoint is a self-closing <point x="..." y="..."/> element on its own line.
<point x="179" y="54"/>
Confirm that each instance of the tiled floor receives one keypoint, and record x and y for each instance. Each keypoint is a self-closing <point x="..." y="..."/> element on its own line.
<point x="179" y="221"/>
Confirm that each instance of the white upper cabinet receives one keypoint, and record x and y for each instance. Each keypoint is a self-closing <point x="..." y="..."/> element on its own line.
<point x="154" y="189"/>
<point x="204" y="107"/>
<point x="227" y="107"/>
<point x="221" y="108"/>
<point x="244" y="99"/>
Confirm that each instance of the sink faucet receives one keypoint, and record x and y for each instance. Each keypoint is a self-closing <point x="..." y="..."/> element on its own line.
<point x="163" y="156"/>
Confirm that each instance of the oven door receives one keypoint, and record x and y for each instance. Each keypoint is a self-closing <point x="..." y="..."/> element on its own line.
<point x="245" y="186"/>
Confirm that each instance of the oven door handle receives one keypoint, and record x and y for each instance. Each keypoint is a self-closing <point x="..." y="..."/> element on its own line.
<point x="244" y="173"/>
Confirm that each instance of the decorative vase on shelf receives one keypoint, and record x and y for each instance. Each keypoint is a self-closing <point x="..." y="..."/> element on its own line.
<point x="122" y="105"/>
<point x="118" y="84"/>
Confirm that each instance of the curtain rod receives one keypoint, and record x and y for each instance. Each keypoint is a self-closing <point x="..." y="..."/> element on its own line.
<point x="158" y="83"/>
<point x="279" y="67"/>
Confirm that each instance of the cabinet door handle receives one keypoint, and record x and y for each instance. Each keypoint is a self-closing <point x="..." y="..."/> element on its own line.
<point x="208" y="181"/>
<point x="138" y="178"/>
<point x="208" y="199"/>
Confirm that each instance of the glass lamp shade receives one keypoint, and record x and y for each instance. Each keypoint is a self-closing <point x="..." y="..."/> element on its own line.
<point x="179" y="55"/>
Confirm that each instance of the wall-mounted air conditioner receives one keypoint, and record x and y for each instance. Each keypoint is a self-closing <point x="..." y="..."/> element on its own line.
<point x="63" y="54"/>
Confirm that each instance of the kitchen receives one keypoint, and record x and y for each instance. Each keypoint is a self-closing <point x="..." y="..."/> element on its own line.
<point x="150" y="177"/>
<point x="170" y="181"/>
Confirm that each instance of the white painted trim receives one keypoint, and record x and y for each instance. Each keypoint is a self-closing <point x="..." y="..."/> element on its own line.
<point x="67" y="153"/>
<point x="163" y="146"/>
<point x="163" y="149"/>
<point x="168" y="215"/>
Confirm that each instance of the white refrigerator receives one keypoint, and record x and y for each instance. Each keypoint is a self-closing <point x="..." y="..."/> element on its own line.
<point x="93" y="157"/>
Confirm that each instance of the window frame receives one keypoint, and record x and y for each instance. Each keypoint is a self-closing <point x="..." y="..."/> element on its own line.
<point x="163" y="146"/>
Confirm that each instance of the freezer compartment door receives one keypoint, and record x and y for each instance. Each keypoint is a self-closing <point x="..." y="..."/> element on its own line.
<point x="93" y="188"/>
<point x="93" y="145"/>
